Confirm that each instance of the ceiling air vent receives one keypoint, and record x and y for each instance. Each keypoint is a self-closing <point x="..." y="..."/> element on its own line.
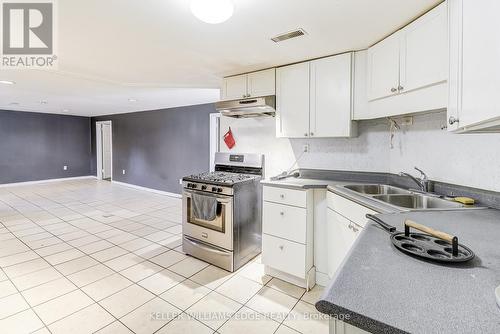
<point x="291" y="34"/>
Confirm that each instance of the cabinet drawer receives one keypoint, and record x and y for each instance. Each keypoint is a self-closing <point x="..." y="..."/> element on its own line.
<point x="284" y="255"/>
<point x="286" y="196"/>
<point x="349" y="209"/>
<point x="285" y="221"/>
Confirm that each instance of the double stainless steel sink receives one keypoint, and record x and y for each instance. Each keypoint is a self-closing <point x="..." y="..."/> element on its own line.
<point x="404" y="199"/>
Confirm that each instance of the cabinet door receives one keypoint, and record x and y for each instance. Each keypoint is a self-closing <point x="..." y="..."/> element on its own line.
<point x="424" y="51"/>
<point x="234" y="88"/>
<point x="341" y="235"/>
<point x="331" y="96"/>
<point x="383" y="68"/>
<point x="292" y="101"/>
<point x="480" y="62"/>
<point x="262" y="83"/>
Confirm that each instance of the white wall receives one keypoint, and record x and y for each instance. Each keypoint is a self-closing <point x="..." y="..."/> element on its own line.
<point x="471" y="160"/>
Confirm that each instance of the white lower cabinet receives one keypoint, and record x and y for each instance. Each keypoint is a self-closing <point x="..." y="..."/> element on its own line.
<point x="340" y="327"/>
<point x="287" y="239"/>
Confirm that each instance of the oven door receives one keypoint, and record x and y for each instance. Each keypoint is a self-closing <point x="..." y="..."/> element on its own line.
<point x="219" y="231"/>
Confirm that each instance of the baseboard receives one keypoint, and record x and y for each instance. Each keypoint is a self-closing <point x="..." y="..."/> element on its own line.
<point x="27" y="183"/>
<point x="166" y="193"/>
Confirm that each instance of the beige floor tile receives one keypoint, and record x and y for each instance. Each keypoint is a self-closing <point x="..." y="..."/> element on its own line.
<point x="171" y="242"/>
<point x="53" y="249"/>
<point x="62" y="306"/>
<point x="115" y="328"/>
<point x="23" y="322"/>
<point x="96" y="246"/>
<point x="7" y="289"/>
<point x="185" y="294"/>
<point x="239" y="288"/>
<point x="141" y="271"/>
<point x="11" y="260"/>
<point x="87" y="320"/>
<point x="272" y="303"/>
<point x="83" y="241"/>
<point x="12" y="304"/>
<point x="26" y="267"/>
<point x="248" y="321"/>
<point x="109" y="253"/>
<point x="90" y="275"/>
<point x="151" y="251"/>
<point x="150" y="317"/>
<point x="106" y="286"/>
<point x="126" y="300"/>
<point x="44" y="243"/>
<point x="65" y="256"/>
<point x="157" y="236"/>
<point x="184" y="324"/>
<point x="313" y="295"/>
<point x="42" y="293"/>
<point x="307" y="320"/>
<point x="286" y="330"/>
<point x="168" y="258"/>
<point x="188" y="267"/>
<point x="36" y="278"/>
<point x="161" y="281"/>
<point x="211" y="277"/>
<point x="42" y="330"/>
<point x="214" y="310"/>
<point x="136" y="244"/>
<point x="285" y="287"/>
<point x="124" y="261"/>
<point x="81" y="263"/>
<point x="255" y="272"/>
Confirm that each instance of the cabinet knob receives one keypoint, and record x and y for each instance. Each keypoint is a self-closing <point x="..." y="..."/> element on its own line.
<point x="452" y="120"/>
<point x="281" y="247"/>
<point x="393" y="90"/>
<point x="282" y="196"/>
<point x="282" y="213"/>
<point x="312" y="134"/>
<point x="306" y="134"/>
<point x="244" y="95"/>
<point x="400" y="88"/>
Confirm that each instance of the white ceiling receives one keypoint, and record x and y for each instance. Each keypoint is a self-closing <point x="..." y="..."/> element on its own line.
<point x="157" y="52"/>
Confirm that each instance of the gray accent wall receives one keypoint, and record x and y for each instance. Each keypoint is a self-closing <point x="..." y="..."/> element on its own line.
<point x="36" y="146"/>
<point x="157" y="148"/>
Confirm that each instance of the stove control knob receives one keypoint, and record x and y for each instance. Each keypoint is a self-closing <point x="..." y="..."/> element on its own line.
<point x="193" y="185"/>
<point x="203" y="187"/>
<point x="189" y="185"/>
<point x="214" y="189"/>
<point x="219" y="190"/>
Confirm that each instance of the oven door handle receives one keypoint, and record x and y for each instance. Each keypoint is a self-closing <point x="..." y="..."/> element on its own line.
<point x="221" y="199"/>
<point x="205" y="246"/>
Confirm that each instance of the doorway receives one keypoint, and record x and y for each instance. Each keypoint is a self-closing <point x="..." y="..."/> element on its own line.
<point x="214" y="138"/>
<point x="104" y="150"/>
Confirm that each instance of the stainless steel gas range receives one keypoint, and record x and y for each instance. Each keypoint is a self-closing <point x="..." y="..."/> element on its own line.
<point x="222" y="211"/>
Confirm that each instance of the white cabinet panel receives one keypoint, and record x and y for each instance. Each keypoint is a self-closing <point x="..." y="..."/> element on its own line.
<point x="349" y="209"/>
<point x="234" y="88"/>
<point x="285" y="196"/>
<point x="383" y="68"/>
<point x="424" y="51"/>
<point x="341" y="236"/>
<point x="284" y="255"/>
<point x="285" y="221"/>
<point x="262" y="83"/>
<point x="331" y="85"/>
<point x="292" y="101"/>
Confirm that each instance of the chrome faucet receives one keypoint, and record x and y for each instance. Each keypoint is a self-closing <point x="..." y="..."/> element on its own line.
<point x="423" y="182"/>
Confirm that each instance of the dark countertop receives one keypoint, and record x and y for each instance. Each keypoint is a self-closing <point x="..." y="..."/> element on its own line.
<point x="383" y="290"/>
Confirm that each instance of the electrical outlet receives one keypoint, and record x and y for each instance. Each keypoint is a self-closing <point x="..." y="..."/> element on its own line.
<point x="305" y="148"/>
<point x="407" y="121"/>
<point x="65" y="167"/>
<point x="123" y="171"/>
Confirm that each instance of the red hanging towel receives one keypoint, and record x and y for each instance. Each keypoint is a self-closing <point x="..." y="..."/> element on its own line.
<point x="229" y="139"/>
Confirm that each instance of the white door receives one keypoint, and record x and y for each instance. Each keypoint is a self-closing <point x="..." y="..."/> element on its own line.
<point x="480" y="62"/>
<point x="341" y="235"/>
<point x="383" y="68"/>
<point x="106" y="150"/>
<point x="331" y="96"/>
<point x="262" y="83"/>
<point x="292" y="101"/>
<point x="424" y="51"/>
<point x="234" y="88"/>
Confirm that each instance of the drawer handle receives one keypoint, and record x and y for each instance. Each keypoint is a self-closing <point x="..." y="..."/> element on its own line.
<point x="281" y="247"/>
<point x="282" y="196"/>
<point x="204" y="235"/>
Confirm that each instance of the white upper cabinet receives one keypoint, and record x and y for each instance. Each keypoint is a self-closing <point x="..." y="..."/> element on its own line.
<point x="261" y="83"/>
<point x="330" y="102"/>
<point x="424" y="51"/>
<point x="314" y="99"/>
<point x="407" y="72"/>
<point x="292" y="101"/>
<point x="383" y="68"/>
<point x="474" y="66"/>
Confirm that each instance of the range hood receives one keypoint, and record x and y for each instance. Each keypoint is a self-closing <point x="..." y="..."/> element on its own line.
<point x="246" y="108"/>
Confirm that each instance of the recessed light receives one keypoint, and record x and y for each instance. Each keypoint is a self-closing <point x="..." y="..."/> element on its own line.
<point x="132" y="100"/>
<point x="7" y="82"/>
<point x="212" y="11"/>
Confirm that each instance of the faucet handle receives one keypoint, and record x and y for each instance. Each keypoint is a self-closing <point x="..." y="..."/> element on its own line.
<point x="422" y="173"/>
